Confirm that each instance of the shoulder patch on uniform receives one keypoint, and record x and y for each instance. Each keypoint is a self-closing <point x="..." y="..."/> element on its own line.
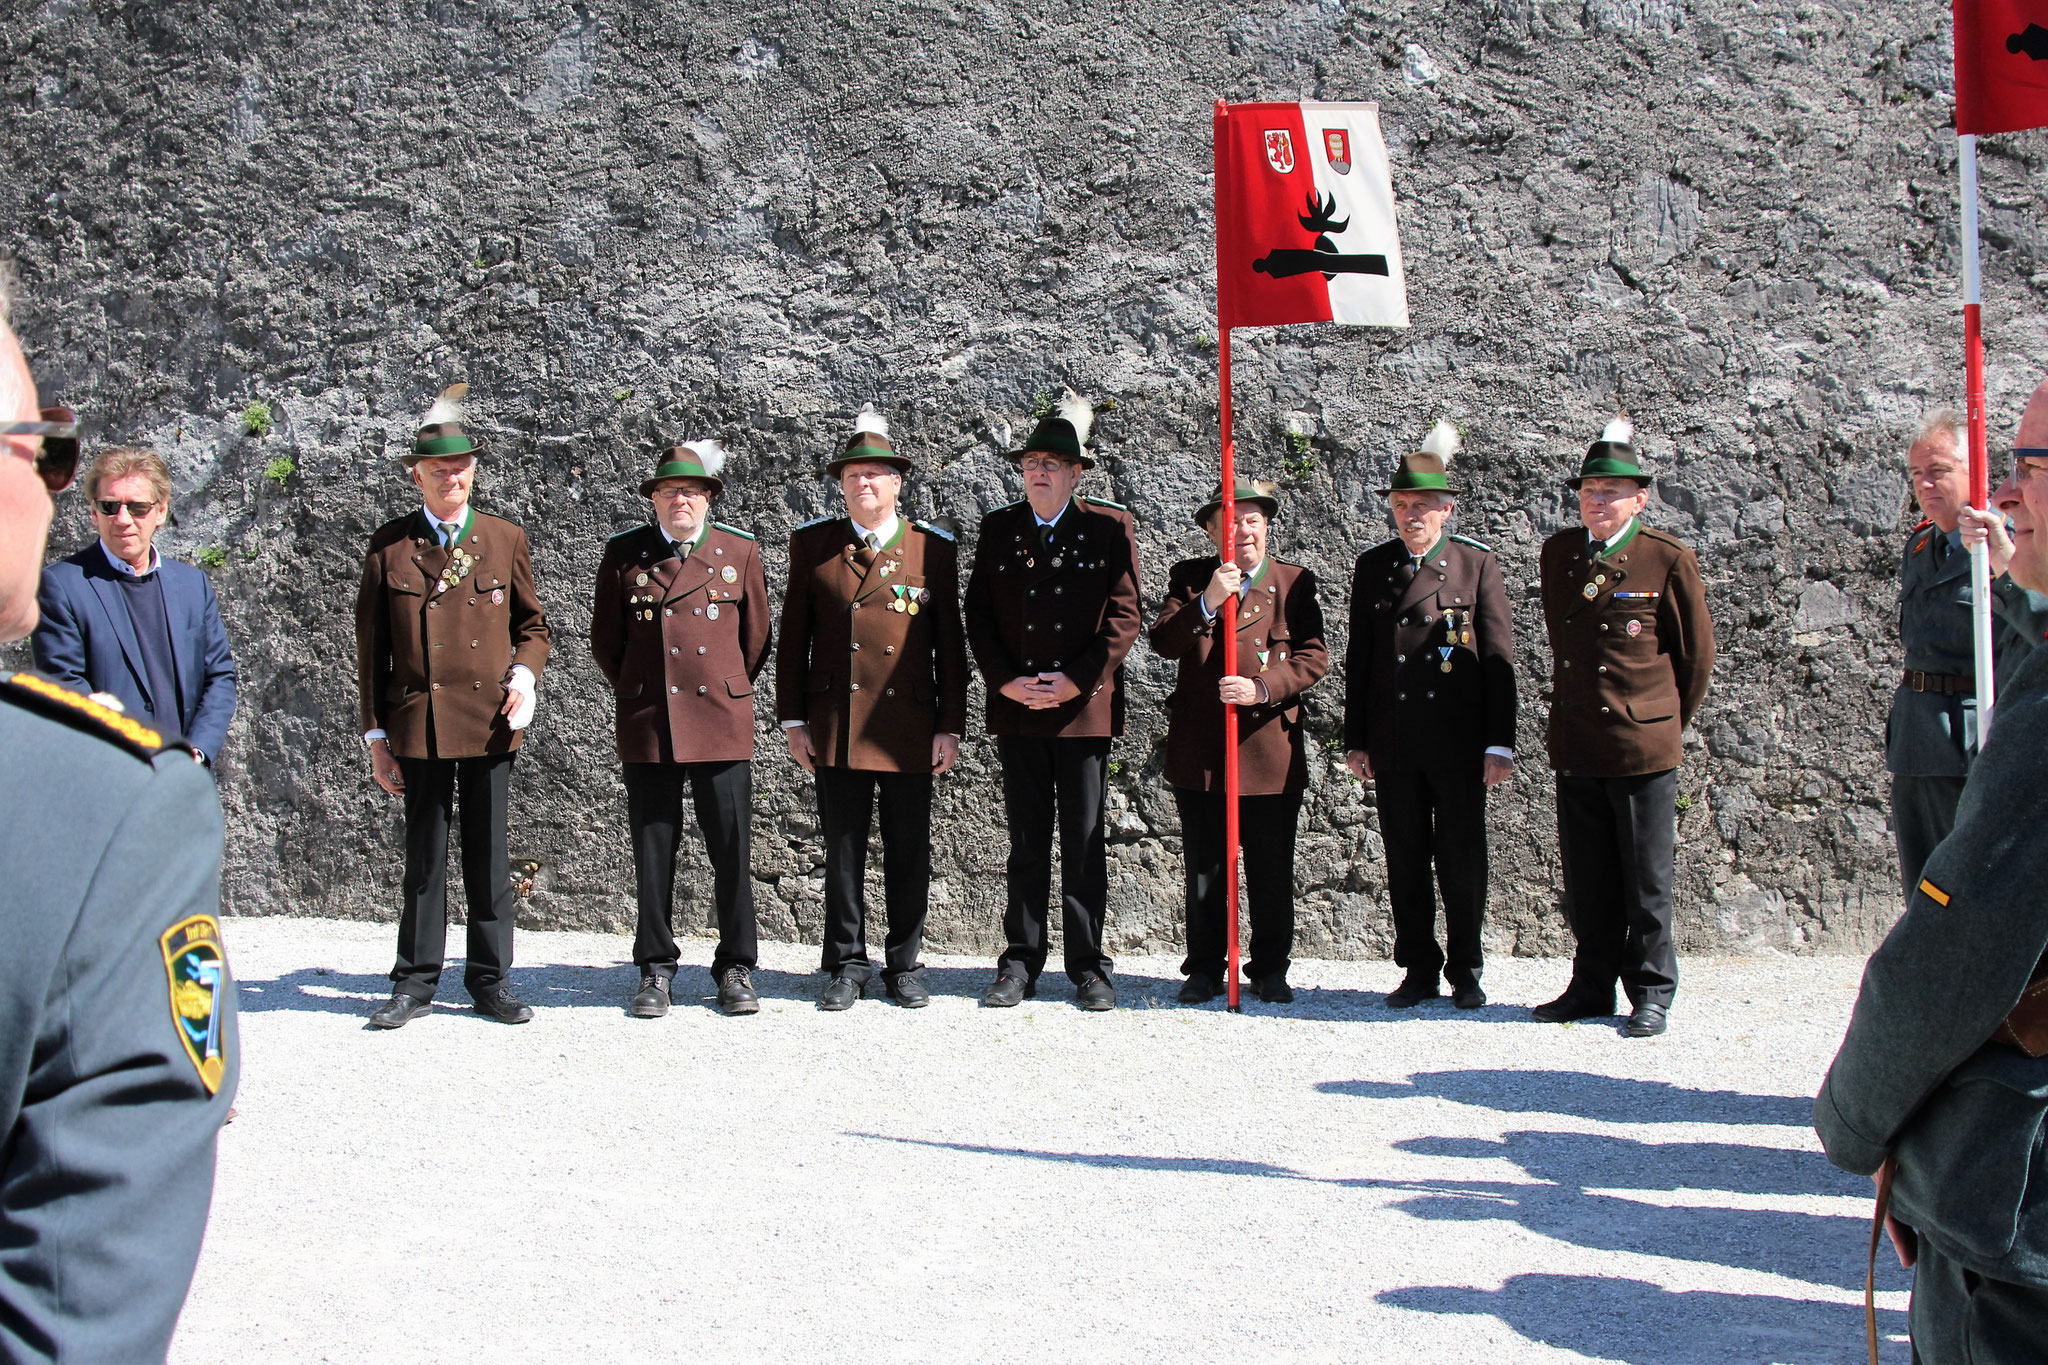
<point x="816" y="521"/>
<point x="1933" y="892"/>
<point x="630" y="531"/>
<point x="941" y="532"/>
<point x="1922" y="526"/>
<point x="39" y="694"/>
<point x="733" y="530"/>
<point x="198" y="968"/>
<point x="1104" y="502"/>
<point x="1475" y="544"/>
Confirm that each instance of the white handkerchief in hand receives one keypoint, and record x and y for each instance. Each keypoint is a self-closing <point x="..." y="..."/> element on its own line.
<point x="521" y="686"/>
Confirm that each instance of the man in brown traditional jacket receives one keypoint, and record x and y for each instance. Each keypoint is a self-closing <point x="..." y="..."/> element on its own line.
<point x="450" y="641"/>
<point x="1052" y="609"/>
<point x="871" y="689"/>
<point x="679" y="626"/>
<point x="1632" y="645"/>
<point x="1429" y="719"/>
<point x="1280" y="655"/>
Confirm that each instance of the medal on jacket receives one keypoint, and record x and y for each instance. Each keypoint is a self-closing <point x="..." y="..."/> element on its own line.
<point x="729" y="574"/>
<point x="1590" y="591"/>
<point x="1262" y="660"/>
<point x="1634" y="627"/>
<point x="711" y="612"/>
<point x="889" y="566"/>
<point x="1444" y="650"/>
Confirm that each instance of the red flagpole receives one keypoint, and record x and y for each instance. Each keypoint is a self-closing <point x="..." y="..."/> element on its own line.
<point x="1226" y="620"/>
<point x="1973" y="370"/>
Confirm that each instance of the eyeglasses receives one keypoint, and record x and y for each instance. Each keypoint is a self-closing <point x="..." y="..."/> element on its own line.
<point x="56" y="461"/>
<point x="1049" y="462"/>
<point x="111" y="507"/>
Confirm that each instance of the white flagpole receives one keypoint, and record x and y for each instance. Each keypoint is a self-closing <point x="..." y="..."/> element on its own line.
<point x="1973" y="365"/>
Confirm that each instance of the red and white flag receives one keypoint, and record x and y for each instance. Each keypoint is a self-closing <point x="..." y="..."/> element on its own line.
<point x="1305" y="228"/>
<point x="2001" y="65"/>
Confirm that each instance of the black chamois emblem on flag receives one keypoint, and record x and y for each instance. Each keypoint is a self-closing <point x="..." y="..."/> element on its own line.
<point x="1284" y="262"/>
<point x="2033" y="41"/>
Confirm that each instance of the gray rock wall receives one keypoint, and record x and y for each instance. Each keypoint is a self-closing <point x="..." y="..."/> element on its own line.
<point x="626" y="224"/>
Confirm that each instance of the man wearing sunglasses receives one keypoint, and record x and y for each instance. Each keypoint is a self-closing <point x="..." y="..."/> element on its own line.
<point x="118" y="1050"/>
<point x="122" y="621"/>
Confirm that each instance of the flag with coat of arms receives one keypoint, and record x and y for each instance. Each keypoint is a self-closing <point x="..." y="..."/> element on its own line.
<point x="1305" y="226"/>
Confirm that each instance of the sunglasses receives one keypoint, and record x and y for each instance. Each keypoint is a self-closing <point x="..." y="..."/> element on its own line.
<point x="111" y="507"/>
<point x="56" y="461"/>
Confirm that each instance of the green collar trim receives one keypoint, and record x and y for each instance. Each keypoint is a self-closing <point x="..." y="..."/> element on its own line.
<point x="1441" y="542"/>
<point x="1628" y="534"/>
<point x="853" y="529"/>
<point x="462" y="532"/>
<point x="1258" y="574"/>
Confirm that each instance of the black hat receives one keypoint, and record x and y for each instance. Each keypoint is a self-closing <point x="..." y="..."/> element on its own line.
<point x="1612" y="456"/>
<point x="1063" y="432"/>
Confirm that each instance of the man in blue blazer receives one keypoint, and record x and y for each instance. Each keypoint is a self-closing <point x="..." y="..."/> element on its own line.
<point x="121" y="620"/>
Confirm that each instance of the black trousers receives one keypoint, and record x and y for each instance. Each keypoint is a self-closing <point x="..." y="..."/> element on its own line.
<point x="1048" y="783"/>
<point x="1923" y="813"/>
<point x="1434" y="820"/>
<point x="847" y="801"/>
<point x="1958" y="1317"/>
<point x="436" y="789"/>
<point x="724" y="797"/>
<point x="1265" y="827"/>
<point x="1616" y="836"/>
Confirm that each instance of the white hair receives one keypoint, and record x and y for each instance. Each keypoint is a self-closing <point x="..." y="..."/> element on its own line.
<point x="1945" y="424"/>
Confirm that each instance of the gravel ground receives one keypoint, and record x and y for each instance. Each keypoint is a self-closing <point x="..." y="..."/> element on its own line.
<point x="1325" y="1181"/>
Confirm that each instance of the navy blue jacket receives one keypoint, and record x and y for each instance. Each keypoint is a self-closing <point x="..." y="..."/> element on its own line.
<point x="86" y="638"/>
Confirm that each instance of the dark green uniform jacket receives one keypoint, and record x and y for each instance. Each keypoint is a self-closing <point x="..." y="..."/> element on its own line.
<point x="1926" y="733"/>
<point x="1916" y="1077"/>
<point x="117" y="1027"/>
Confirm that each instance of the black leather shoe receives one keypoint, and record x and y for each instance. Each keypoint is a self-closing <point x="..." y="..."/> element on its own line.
<point x="840" y="993"/>
<point x="736" y="991"/>
<point x="500" y="1004"/>
<point x="909" y="992"/>
<point x="1095" y="992"/>
<point x="395" y="1012"/>
<point x="1200" y="989"/>
<point x="1009" y="988"/>
<point x="1274" y="989"/>
<point x="1468" y="996"/>
<point x="1413" y="990"/>
<point x="1569" y="1006"/>
<point x="651" y="1000"/>
<point x="1647" y="1022"/>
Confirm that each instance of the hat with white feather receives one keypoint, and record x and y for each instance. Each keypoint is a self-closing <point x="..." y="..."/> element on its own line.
<point x="1064" y="431"/>
<point x="690" y="460"/>
<point x="440" y="433"/>
<point x="1428" y="470"/>
<point x="870" y="441"/>
<point x="1613" y="456"/>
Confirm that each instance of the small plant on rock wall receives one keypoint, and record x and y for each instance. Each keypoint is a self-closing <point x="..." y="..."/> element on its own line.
<point x="213" y="557"/>
<point x="256" y="418"/>
<point x="280" y="469"/>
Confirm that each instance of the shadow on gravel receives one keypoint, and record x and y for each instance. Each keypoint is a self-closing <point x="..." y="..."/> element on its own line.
<point x="314" y="991"/>
<point x="1629" y="1320"/>
<point x="1610" y="1099"/>
<point x="1596" y="1161"/>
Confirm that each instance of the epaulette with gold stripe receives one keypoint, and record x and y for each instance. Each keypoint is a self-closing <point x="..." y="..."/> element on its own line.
<point x="34" y="692"/>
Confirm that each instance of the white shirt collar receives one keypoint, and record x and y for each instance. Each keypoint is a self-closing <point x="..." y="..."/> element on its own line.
<point x="682" y="547"/>
<point x="1614" y="539"/>
<point x="156" y="561"/>
<point x="441" y="528"/>
<point x="1055" y="516"/>
<point x="883" y="533"/>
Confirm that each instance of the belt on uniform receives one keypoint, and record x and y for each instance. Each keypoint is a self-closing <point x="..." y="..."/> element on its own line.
<point x="1940" y="682"/>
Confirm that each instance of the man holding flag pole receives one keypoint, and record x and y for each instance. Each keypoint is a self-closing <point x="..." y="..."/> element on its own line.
<point x="1305" y="232"/>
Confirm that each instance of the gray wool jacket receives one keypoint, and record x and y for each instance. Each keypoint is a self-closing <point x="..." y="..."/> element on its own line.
<point x="1916" y="1078"/>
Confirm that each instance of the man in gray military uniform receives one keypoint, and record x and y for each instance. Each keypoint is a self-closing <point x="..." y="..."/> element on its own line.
<point x="1940" y="1088"/>
<point x="1931" y="733"/>
<point x="117" y="1023"/>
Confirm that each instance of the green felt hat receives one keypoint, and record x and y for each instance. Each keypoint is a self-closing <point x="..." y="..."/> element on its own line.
<point x="690" y="460"/>
<point x="1612" y="456"/>
<point x="1428" y="469"/>
<point x="1063" y="432"/>
<point x="870" y="441"/>
<point x="440" y="433"/>
<point x="1263" y="492"/>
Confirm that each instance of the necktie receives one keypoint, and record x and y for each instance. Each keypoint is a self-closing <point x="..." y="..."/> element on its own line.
<point x="1044" y="536"/>
<point x="1940" y="546"/>
<point x="874" y="542"/>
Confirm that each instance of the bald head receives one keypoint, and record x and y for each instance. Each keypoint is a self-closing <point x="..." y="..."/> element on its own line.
<point x="24" y="503"/>
<point x="2034" y="421"/>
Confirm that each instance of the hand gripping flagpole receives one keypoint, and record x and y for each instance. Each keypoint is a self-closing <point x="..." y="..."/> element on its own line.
<point x="1226" y="620"/>
<point x="1973" y="366"/>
